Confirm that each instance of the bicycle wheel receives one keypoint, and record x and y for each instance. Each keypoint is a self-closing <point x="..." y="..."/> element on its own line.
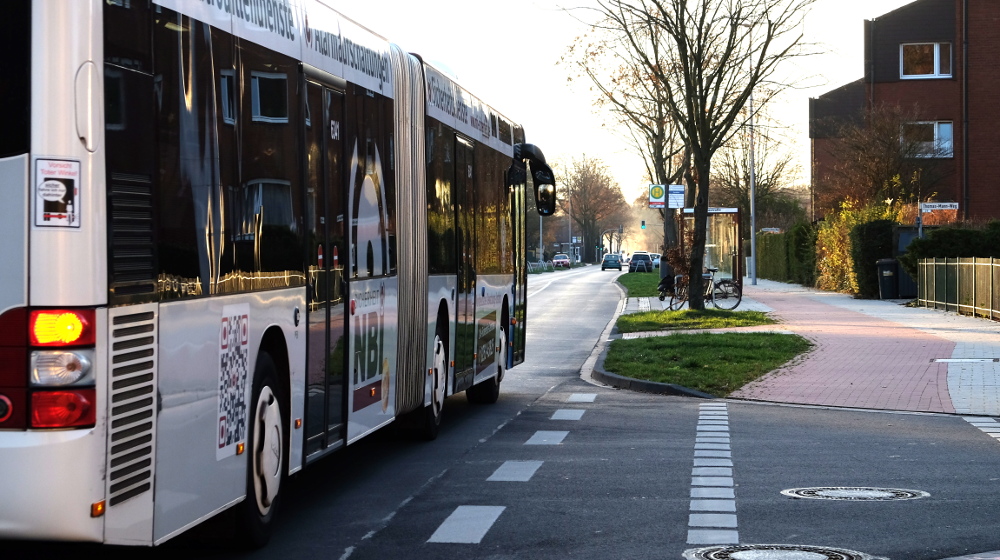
<point x="678" y="298"/>
<point x="726" y="294"/>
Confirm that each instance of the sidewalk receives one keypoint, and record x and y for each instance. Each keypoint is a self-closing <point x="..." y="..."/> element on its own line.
<point x="873" y="353"/>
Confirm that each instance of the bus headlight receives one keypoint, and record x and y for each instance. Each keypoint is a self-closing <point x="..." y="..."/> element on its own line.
<point x="56" y="368"/>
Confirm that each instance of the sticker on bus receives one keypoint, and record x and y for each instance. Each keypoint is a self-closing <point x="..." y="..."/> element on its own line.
<point x="234" y="370"/>
<point x="57" y="193"/>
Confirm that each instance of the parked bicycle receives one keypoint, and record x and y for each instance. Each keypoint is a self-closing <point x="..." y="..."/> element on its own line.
<point x="724" y="293"/>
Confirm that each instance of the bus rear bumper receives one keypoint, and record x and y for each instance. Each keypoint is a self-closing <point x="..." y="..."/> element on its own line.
<point x="50" y="480"/>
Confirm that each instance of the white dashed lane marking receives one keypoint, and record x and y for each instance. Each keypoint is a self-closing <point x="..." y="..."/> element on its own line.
<point x="567" y="414"/>
<point x="546" y="437"/>
<point x="467" y="524"/>
<point x="713" y="499"/>
<point x="988" y="426"/>
<point x="515" y="471"/>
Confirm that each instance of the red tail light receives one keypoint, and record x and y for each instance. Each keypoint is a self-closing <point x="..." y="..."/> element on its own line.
<point x="63" y="409"/>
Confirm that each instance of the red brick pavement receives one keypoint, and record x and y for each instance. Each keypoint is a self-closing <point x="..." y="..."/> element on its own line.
<point x="858" y="360"/>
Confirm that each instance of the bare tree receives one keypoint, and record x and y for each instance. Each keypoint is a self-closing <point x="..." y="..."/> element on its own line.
<point x="889" y="155"/>
<point x="621" y="81"/>
<point x="777" y="203"/>
<point x="593" y="200"/>
<point x="705" y="58"/>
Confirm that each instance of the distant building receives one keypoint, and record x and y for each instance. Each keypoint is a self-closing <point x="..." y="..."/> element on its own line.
<point x="939" y="56"/>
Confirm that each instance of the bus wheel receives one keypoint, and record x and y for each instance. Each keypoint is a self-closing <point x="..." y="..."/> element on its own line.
<point x="266" y="457"/>
<point x="432" y="413"/>
<point x="487" y="392"/>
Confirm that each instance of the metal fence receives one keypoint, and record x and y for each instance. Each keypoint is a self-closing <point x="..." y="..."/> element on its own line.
<point x="541" y="266"/>
<point x="970" y="286"/>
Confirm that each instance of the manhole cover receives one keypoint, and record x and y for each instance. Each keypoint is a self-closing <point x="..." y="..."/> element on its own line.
<point x="860" y="494"/>
<point x="775" y="552"/>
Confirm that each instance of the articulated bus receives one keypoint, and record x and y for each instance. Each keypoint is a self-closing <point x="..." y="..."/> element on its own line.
<point x="236" y="236"/>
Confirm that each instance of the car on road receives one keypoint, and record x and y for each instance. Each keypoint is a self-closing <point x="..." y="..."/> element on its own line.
<point x="656" y="259"/>
<point x="640" y="261"/>
<point x="611" y="260"/>
<point x="561" y="259"/>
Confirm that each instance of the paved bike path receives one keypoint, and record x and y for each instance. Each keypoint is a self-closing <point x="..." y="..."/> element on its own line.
<point x="875" y="354"/>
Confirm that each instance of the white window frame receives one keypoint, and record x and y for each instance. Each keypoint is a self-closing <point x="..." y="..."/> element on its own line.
<point x="227" y="88"/>
<point x="255" y="77"/>
<point x="937" y="62"/>
<point x="941" y="147"/>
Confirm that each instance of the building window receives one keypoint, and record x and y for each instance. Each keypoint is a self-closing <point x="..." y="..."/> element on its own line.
<point x="227" y="87"/>
<point x="929" y="139"/>
<point x="925" y="60"/>
<point x="269" y="97"/>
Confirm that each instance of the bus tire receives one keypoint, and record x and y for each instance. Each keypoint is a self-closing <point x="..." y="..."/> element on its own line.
<point x="266" y="457"/>
<point x="432" y="414"/>
<point x="488" y="391"/>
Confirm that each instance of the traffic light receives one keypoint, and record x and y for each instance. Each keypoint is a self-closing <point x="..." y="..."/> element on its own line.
<point x="643" y="224"/>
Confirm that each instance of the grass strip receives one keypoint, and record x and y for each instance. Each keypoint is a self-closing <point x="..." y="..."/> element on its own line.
<point x="685" y="319"/>
<point x="716" y="364"/>
<point x="640" y="284"/>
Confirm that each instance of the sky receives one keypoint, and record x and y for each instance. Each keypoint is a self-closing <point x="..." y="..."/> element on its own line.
<point x="507" y="54"/>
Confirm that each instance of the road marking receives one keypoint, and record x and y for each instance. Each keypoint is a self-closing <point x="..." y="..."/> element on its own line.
<point x="467" y="524"/>
<point x="545" y="437"/>
<point x="515" y="471"/>
<point x="988" y="426"/>
<point x="712" y="453"/>
<point x="714" y="505"/>
<point x="726" y="481"/>
<point x="567" y="414"/>
<point x="712" y="483"/>
<point x="582" y="397"/>
<point x="724" y="446"/>
<point x="714" y="520"/>
<point x="712" y="471"/>
<point x="698" y="462"/>
<point x="709" y="536"/>
<point x="713" y="492"/>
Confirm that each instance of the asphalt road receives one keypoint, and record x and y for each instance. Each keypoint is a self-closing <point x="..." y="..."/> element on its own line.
<point x="562" y="468"/>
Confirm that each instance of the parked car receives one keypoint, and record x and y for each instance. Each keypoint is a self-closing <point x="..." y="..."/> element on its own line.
<point x="640" y="262"/>
<point x="561" y="259"/>
<point x="656" y="259"/>
<point x="611" y="260"/>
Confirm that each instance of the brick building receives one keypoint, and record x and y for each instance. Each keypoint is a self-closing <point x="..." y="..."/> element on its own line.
<point x="938" y="56"/>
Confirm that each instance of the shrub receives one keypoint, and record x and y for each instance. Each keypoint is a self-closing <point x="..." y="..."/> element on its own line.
<point x="870" y="242"/>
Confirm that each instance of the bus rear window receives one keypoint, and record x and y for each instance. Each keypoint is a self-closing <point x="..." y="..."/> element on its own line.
<point x="15" y="74"/>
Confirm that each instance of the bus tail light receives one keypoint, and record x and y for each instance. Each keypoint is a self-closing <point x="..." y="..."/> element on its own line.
<point x="59" y="368"/>
<point x="61" y="327"/>
<point x="63" y="409"/>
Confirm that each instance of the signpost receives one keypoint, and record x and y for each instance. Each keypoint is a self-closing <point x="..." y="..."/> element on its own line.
<point x="657" y="196"/>
<point x="928" y="207"/>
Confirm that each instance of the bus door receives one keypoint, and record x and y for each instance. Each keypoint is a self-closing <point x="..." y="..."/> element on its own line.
<point x="326" y="230"/>
<point x="465" y="332"/>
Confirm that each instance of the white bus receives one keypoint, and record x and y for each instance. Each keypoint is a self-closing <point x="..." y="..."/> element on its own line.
<point x="236" y="235"/>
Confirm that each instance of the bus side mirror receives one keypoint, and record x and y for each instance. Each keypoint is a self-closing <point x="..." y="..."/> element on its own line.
<point x="545" y="190"/>
<point x="541" y="174"/>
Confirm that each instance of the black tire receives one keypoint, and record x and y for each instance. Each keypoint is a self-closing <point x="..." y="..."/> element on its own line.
<point x="678" y="298"/>
<point x="488" y="391"/>
<point x="726" y="294"/>
<point x="266" y="457"/>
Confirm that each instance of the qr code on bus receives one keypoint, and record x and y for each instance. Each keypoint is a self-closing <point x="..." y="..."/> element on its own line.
<point x="234" y="370"/>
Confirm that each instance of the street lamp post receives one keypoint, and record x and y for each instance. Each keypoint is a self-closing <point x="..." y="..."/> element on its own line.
<point x="753" y="203"/>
